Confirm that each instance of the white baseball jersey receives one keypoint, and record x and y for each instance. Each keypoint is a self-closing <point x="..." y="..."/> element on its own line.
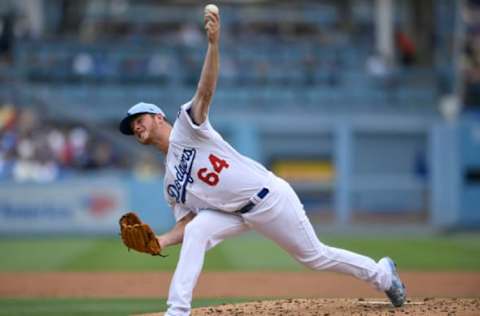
<point x="202" y="171"/>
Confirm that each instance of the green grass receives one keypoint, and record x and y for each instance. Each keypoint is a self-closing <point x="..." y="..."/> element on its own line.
<point x="101" y="307"/>
<point x="249" y="252"/>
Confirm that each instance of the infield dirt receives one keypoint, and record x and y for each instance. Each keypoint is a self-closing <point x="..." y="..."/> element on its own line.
<point x="310" y="293"/>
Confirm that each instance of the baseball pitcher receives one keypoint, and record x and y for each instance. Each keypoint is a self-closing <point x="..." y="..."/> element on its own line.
<point x="216" y="193"/>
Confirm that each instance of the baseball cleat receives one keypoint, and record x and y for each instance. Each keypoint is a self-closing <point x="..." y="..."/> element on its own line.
<point x="397" y="292"/>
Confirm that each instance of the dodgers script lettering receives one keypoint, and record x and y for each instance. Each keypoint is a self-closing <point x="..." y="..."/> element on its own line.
<point x="183" y="176"/>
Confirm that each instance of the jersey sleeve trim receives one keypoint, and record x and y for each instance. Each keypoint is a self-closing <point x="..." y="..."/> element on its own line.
<point x="185" y="109"/>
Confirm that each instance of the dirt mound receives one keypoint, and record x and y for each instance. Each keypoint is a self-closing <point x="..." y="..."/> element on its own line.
<point x="337" y="307"/>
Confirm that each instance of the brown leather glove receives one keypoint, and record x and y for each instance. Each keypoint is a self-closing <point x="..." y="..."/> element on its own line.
<point x="138" y="236"/>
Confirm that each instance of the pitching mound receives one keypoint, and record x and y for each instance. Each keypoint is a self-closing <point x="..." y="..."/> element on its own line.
<point x="337" y="307"/>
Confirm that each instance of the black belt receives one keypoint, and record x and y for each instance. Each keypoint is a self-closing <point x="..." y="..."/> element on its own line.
<point x="253" y="201"/>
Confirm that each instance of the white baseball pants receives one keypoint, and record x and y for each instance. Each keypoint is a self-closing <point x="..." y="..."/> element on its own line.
<point x="279" y="217"/>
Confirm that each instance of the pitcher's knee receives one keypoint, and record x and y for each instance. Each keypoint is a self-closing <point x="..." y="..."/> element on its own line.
<point x="316" y="259"/>
<point x="311" y="262"/>
<point x="196" y="232"/>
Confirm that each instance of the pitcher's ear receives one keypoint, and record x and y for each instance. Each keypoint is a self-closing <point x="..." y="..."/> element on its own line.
<point x="164" y="119"/>
<point x="158" y="117"/>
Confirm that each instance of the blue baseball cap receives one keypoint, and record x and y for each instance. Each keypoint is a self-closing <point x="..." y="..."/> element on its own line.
<point x="137" y="109"/>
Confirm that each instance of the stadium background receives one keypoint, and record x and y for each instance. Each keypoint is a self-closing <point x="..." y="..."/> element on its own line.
<point x="369" y="108"/>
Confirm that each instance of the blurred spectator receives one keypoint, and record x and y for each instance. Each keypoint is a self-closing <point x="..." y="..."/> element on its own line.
<point x="384" y="77"/>
<point x="78" y="139"/>
<point x="38" y="151"/>
<point x="6" y="36"/>
<point x="56" y="141"/>
<point x="472" y="55"/>
<point x="406" y="48"/>
<point x="83" y="64"/>
<point x="101" y="156"/>
<point x="7" y="117"/>
<point x="377" y="67"/>
<point x="472" y="75"/>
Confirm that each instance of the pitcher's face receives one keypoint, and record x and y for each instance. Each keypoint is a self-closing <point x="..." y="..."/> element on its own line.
<point x="143" y="127"/>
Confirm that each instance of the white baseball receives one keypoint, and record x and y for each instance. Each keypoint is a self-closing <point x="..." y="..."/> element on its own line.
<point x="211" y="8"/>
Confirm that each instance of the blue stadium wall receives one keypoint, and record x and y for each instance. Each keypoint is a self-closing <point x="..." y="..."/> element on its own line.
<point x="376" y="169"/>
